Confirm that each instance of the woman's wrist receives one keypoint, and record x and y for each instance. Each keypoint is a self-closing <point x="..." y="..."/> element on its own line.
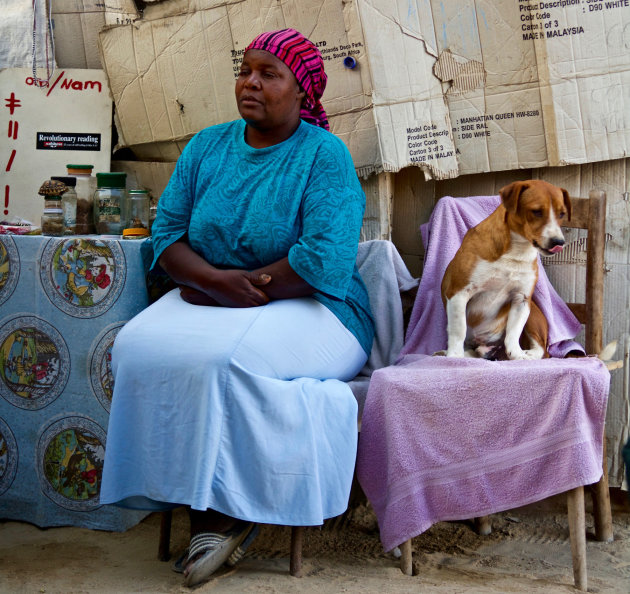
<point x="207" y="278"/>
<point x="188" y="268"/>
<point x="196" y="297"/>
<point x="285" y="282"/>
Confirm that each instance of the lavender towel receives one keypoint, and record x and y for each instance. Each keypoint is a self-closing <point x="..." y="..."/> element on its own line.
<point x="449" y="439"/>
<point x="442" y="236"/>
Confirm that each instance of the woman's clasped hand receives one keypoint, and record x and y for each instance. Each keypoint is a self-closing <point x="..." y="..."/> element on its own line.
<point x="230" y="288"/>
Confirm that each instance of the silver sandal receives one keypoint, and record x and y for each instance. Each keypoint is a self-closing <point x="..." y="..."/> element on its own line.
<point x="214" y="549"/>
<point x="239" y="552"/>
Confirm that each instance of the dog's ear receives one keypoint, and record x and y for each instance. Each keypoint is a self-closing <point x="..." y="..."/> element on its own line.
<point x="567" y="202"/>
<point x="510" y="195"/>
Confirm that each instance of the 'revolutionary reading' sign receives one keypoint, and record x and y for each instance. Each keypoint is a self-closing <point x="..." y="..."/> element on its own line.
<point x="66" y="141"/>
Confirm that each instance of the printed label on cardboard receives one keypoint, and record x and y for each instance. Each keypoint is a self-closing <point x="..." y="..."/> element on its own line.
<point x="68" y="141"/>
<point x="44" y="121"/>
<point x="494" y="85"/>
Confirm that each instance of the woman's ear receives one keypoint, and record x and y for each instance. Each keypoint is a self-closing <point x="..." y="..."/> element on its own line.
<point x="301" y="94"/>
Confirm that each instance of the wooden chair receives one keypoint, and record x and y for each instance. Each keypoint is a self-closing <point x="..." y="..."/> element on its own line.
<point x="382" y="270"/>
<point x="590" y="214"/>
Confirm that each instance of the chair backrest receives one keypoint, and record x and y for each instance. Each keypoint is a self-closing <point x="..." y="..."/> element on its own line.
<point x="590" y="214"/>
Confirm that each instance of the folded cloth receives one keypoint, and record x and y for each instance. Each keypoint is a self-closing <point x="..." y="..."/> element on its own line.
<point x="441" y="236"/>
<point x="385" y="275"/>
<point x="450" y="439"/>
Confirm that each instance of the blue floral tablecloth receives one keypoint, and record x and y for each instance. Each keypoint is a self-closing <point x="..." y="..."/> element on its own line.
<point x="62" y="302"/>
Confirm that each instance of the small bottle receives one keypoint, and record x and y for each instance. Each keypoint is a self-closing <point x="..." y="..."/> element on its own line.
<point x="110" y="203"/>
<point x="68" y="204"/>
<point x="85" y="188"/>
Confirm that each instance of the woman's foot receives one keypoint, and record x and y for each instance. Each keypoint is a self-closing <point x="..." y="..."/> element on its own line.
<point x="239" y="552"/>
<point x="209" y="550"/>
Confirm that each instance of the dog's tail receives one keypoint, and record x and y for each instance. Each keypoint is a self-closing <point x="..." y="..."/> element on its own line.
<point x="606" y="355"/>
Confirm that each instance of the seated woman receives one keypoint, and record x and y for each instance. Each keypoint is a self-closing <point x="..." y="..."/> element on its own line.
<point x="229" y="392"/>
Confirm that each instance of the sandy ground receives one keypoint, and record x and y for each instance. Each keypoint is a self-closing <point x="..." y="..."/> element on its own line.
<point x="528" y="551"/>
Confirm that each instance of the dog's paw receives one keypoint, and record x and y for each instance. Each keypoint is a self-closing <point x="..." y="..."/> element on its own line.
<point x="528" y="355"/>
<point x="458" y="353"/>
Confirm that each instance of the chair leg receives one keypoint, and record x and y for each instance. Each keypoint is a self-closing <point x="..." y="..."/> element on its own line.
<point x="577" y="535"/>
<point x="295" y="562"/>
<point x="164" y="553"/>
<point x="406" y="558"/>
<point x="602" y="514"/>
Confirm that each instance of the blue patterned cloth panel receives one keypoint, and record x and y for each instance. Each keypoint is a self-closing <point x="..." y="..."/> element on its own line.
<point x="62" y="302"/>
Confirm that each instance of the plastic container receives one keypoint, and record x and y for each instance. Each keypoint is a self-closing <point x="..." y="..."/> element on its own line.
<point x="68" y="204"/>
<point x="85" y="188"/>
<point x="52" y="221"/>
<point x="137" y="215"/>
<point x="110" y="203"/>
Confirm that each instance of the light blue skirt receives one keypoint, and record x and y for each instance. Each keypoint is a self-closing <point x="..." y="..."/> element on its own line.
<point x="244" y="411"/>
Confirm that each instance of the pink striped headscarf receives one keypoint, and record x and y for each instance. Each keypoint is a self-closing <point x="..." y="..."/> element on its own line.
<point x="305" y="61"/>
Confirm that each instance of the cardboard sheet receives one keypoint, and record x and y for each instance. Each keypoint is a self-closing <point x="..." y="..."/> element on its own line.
<point x="77" y="24"/>
<point x="453" y="88"/>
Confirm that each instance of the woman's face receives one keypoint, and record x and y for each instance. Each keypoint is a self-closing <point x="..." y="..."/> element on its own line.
<point x="267" y="93"/>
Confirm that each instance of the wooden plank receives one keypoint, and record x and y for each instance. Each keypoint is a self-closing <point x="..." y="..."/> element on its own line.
<point x="579" y="311"/>
<point x="595" y="272"/>
<point x="379" y="195"/>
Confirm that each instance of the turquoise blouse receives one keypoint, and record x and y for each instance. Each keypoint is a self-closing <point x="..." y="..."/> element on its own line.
<point x="244" y="208"/>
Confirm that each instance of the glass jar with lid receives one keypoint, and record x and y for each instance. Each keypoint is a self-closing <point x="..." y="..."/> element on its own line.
<point x="52" y="221"/>
<point x="68" y="204"/>
<point x="85" y="188"/>
<point x="137" y="215"/>
<point x="110" y="203"/>
<point x="52" y="217"/>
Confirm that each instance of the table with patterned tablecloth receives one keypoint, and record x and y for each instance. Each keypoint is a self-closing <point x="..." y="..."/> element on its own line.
<point x="62" y="302"/>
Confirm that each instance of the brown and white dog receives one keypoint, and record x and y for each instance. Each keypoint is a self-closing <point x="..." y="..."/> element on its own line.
<point x="487" y="288"/>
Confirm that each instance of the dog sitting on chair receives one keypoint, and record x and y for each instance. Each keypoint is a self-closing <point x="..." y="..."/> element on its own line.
<point x="487" y="288"/>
